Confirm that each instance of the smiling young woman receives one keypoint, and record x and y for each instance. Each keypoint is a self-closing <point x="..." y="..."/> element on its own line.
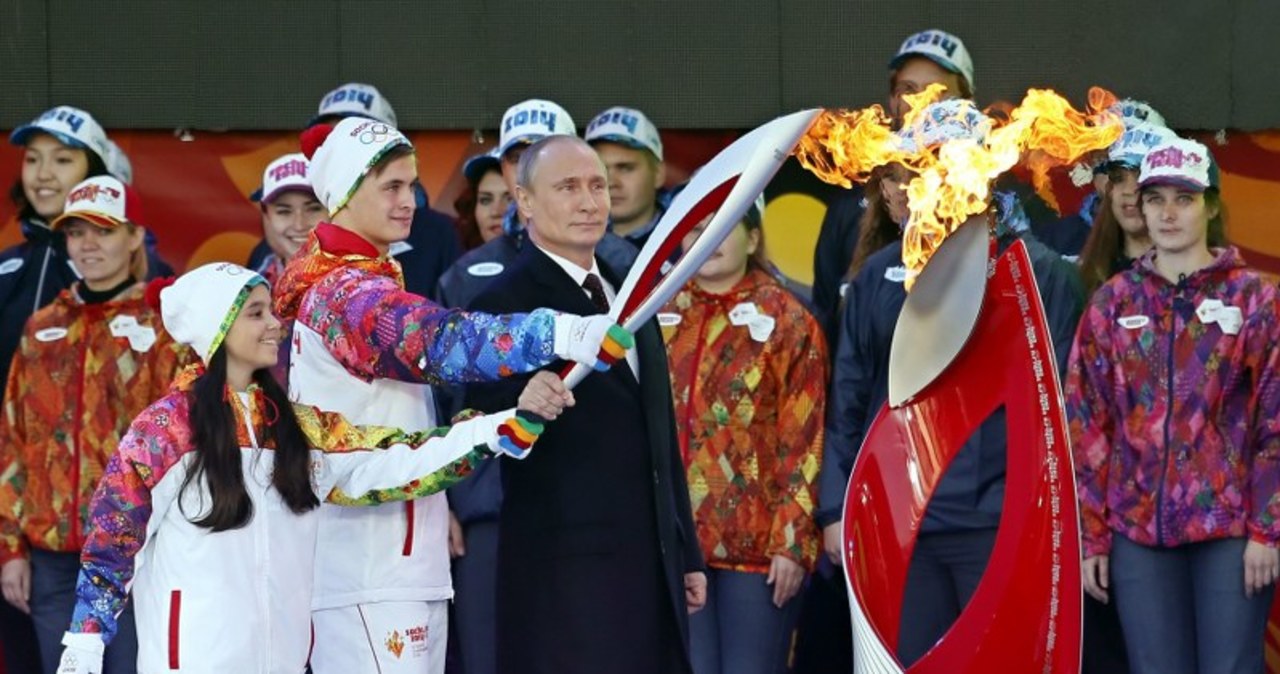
<point x="88" y="362"/>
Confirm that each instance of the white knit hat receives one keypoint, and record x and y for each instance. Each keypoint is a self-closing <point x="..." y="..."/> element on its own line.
<point x="199" y="308"/>
<point x="342" y="154"/>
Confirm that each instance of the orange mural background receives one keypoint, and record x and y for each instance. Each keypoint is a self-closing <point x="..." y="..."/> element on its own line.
<point x="195" y="193"/>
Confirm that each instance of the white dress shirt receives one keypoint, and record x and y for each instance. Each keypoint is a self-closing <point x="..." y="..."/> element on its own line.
<point x="578" y="274"/>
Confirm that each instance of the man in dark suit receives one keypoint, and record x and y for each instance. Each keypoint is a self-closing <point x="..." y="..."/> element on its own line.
<point x="598" y="561"/>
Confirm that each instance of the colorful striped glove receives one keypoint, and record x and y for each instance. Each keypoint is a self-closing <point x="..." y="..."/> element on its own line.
<point x="517" y="434"/>
<point x="595" y="341"/>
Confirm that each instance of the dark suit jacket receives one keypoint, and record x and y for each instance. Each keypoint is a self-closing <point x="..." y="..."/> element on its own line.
<point x="596" y="530"/>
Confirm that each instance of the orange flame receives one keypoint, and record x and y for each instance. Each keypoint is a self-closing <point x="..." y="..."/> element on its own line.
<point x="952" y="181"/>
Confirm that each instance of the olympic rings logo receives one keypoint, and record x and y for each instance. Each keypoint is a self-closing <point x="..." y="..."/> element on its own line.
<point x="376" y="134"/>
<point x="231" y="269"/>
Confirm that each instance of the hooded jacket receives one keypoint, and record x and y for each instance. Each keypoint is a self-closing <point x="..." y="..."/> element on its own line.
<point x="1174" y="407"/>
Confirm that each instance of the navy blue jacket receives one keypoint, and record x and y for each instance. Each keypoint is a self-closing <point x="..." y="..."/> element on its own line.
<point x="32" y="273"/>
<point x="640" y="237"/>
<point x="1067" y="235"/>
<point x="970" y="494"/>
<point x="831" y="256"/>
<point x="479" y="496"/>
<point x="839" y="236"/>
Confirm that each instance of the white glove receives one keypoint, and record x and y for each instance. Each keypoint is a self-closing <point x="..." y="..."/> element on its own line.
<point x="595" y="341"/>
<point x="82" y="655"/>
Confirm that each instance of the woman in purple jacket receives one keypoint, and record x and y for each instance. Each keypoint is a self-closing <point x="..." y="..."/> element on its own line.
<point x="1174" y="405"/>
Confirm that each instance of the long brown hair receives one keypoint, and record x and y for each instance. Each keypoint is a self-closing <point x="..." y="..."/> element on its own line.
<point x="753" y="221"/>
<point x="875" y="228"/>
<point x="1104" y="248"/>
<point x="465" y="224"/>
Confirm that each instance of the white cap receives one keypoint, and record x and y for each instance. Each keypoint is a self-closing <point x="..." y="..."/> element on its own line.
<point x="285" y="173"/>
<point x="1180" y="162"/>
<point x="355" y="99"/>
<point x="1135" y="143"/>
<point x="71" y="126"/>
<point x="118" y="163"/>
<point x="944" y="121"/>
<point x="1132" y="113"/>
<point x="626" y="126"/>
<point x="345" y="156"/>
<point x="530" y="121"/>
<point x="199" y="308"/>
<point x="940" y="47"/>
<point x="102" y="200"/>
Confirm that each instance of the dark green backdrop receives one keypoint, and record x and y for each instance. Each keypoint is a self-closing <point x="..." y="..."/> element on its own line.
<point x="264" y="64"/>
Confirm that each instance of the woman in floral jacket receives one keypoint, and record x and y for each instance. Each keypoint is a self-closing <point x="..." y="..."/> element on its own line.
<point x="1174" y="406"/>
<point x="87" y="364"/>
<point x="748" y="371"/>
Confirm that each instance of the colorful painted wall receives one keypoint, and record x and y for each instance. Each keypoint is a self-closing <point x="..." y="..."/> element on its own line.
<point x="195" y="191"/>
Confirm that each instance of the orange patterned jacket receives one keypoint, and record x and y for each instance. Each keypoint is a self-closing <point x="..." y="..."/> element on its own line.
<point x="82" y="372"/>
<point x="749" y="412"/>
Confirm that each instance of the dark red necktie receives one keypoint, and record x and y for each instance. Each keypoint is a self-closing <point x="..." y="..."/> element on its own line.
<point x="595" y="289"/>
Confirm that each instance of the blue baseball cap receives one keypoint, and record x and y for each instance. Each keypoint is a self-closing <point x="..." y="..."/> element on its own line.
<point x="477" y="165"/>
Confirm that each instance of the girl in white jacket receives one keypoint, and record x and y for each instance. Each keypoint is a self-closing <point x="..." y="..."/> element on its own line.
<point x="207" y="513"/>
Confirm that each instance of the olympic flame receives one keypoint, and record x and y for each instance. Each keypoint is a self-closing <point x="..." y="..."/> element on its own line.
<point x="952" y="180"/>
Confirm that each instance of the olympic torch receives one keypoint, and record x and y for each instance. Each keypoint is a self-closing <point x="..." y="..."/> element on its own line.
<point x="725" y="186"/>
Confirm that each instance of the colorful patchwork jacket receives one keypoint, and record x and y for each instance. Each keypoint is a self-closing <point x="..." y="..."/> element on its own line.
<point x="342" y="289"/>
<point x="1174" y="407"/>
<point x="749" y="376"/>
<point x="363" y="346"/>
<point x="240" y="600"/>
<point x="82" y="372"/>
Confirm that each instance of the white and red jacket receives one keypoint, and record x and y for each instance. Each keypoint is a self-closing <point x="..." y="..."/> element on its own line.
<point x="389" y="552"/>
<point x="364" y="347"/>
<point x="240" y="600"/>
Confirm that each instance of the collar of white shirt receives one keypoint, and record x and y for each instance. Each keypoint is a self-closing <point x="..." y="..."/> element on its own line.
<point x="578" y="274"/>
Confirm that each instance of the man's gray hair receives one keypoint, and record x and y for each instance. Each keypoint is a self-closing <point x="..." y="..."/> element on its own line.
<point x="533" y="154"/>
